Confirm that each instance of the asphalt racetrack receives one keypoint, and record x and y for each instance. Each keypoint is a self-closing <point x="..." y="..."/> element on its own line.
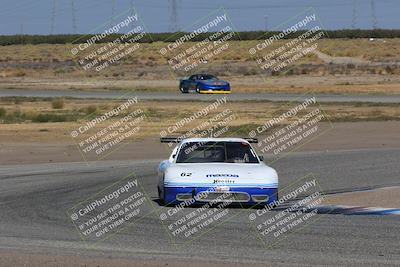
<point x="34" y="200"/>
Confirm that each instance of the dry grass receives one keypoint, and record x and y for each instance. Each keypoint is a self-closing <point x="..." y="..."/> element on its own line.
<point x="53" y="67"/>
<point x="379" y="50"/>
<point x="160" y="115"/>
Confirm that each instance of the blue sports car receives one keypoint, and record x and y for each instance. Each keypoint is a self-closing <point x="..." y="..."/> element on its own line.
<point x="204" y="84"/>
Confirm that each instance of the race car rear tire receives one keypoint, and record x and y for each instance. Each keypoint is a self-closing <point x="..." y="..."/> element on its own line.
<point x="197" y="89"/>
<point x="275" y="205"/>
<point x="160" y="199"/>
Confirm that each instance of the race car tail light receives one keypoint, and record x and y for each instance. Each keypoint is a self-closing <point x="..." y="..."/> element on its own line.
<point x="260" y="198"/>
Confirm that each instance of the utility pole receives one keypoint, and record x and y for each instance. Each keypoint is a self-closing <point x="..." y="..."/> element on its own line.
<point x="132" y="7"/>
<point x="132" y="13"/>
<point x="354" y="19"/>
<point x="53" y="17"/>
<point x="266" y="23"/>
<point x="373" y="14"/>
<point x="22" y="32"/>
<point x="74" y="26"/>
<point x="112" y="13"/>
<point x="174" y="16"/>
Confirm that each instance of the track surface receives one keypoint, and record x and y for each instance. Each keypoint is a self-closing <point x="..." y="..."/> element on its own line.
<point x="197" y="97"/>
<point x="34" y="200"/>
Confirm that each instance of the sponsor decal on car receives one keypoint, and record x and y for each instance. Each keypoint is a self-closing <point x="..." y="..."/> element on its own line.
<point x="222" y="175"/>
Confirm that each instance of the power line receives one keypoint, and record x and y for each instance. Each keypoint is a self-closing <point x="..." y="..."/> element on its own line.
<point x="244" y="7"/>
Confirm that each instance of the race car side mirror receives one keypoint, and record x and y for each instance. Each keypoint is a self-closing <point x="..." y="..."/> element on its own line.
<point x="261" y="158"/>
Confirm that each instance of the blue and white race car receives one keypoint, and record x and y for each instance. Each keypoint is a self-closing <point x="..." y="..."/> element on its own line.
<point x="202" y="170"/>
<point x="204" y="84"/>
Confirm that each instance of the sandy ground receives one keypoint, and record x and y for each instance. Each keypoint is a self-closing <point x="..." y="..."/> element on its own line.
<point x="11" y="258"/>
<point x="340" y="60"/>
<point x="343" y="136"/>
<point x="387" y="197"/>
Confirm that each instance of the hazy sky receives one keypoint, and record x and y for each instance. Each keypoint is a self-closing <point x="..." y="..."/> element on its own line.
<point x="36" y="16"/>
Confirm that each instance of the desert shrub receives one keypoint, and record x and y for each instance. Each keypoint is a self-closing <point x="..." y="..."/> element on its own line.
<point x="48" y="117"/>
<point x="3" y="112"/>
<point x="57" y="103"/>
<point x="91" y="109"/>
<point x="171" y="37"/>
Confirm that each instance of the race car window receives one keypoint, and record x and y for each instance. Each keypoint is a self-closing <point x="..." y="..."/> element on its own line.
<point x="228" y="152"/>
<point x="208" y="77"/>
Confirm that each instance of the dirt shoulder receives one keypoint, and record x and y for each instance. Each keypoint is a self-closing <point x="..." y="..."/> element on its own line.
<point x="383" y="197"/>
<point x="387" y="84"/>
<point x="12" y="258"/>
<point x="343" y="136"/>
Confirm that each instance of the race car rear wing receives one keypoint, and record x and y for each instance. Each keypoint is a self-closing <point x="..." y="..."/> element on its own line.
<point x="178" y="140"/>
<point x="170" y="140"/>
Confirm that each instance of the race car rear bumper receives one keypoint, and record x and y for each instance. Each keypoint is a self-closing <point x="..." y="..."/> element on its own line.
<point x="240" y="195"/>
<point x="214" y="92"/>
<point x="218" y="89"/>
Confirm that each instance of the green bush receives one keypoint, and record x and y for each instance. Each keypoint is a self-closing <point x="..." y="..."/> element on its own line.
<point x="47" y="117"/>
<point x="3" y="112"/>
<point x="171" y="37"/>
<point x="91" y="109"/>
<point x="57" y="103"/>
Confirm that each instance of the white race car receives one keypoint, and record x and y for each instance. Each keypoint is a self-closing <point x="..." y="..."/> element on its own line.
<point x="202" y="170"/>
